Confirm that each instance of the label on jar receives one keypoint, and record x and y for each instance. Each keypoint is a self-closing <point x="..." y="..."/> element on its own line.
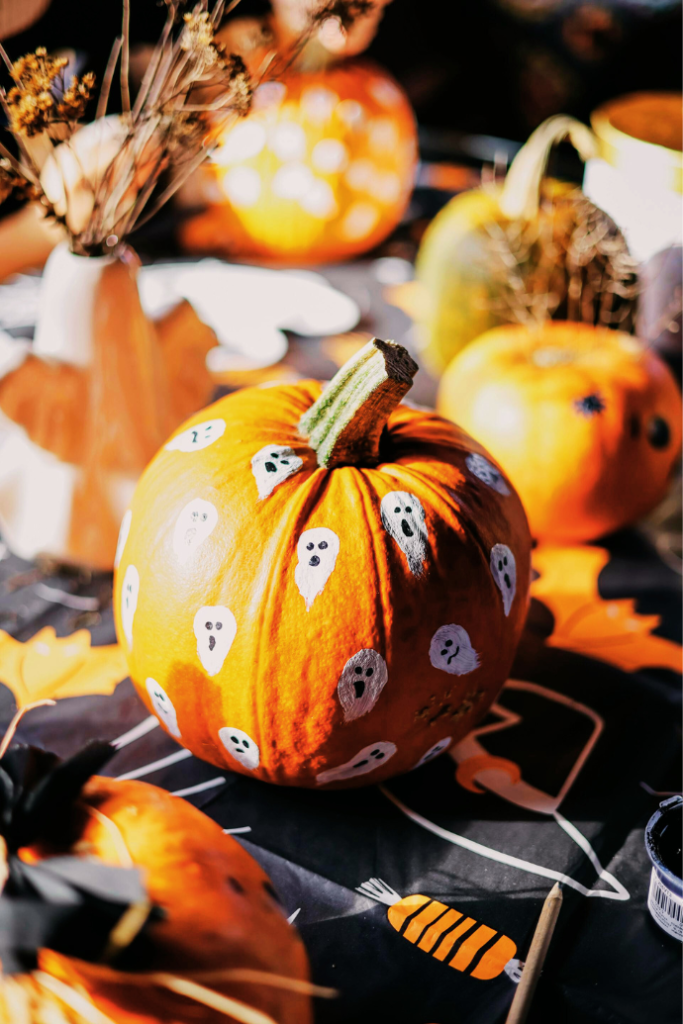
<point x="665" y="907"/>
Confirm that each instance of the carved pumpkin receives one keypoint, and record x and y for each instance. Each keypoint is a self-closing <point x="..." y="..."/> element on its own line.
<point x="322" y="169"/>
<point x="220" y="916"/>
<point x="586" y="422"/>
<point x="322" y="588"/>
<point x="524" y="251"/>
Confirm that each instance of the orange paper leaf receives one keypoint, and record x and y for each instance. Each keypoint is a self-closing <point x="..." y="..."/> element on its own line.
<point x="612" y="630"/>
<point x="52" y="666"/>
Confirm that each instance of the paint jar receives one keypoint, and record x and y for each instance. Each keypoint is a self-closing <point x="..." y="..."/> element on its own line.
<point x="663" y="842"/>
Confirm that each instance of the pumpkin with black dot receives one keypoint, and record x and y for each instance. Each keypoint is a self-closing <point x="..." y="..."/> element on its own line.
<point x="585" y="421"/>
<point x="371" y="582"/>
<point x="219" y="914"/>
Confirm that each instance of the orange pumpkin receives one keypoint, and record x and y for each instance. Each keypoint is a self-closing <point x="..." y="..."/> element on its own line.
<point x="220" y="912"/>
<point x="322" y="169"/>
<point x="322" y="588"/>
<point x="586" y="421"/>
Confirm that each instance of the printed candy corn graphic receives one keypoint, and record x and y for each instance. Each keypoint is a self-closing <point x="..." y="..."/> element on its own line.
<point x="445" y="933"/>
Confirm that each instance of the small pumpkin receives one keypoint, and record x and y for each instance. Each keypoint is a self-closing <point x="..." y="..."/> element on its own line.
<point x="216" y="933"/>
<point x="321" y="170"/>
<point x="586" y="421"/>
<point x="524" y="251"/>
<point x="322" y="587"/>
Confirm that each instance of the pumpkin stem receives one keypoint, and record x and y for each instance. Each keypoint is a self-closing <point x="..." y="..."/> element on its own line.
<point x="522" y="188"/>
<point x="345" y="425"/>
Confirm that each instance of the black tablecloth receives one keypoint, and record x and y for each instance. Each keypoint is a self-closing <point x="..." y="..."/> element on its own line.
<point x="425" y="833"/>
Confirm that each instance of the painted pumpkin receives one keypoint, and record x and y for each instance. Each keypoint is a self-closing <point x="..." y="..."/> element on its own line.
<point x="322" y="588"/>
<point x="220" y="916"/>
<point x="524" y="251"/>
<point x="586" y="422"/>
<point x="322" y="169"/>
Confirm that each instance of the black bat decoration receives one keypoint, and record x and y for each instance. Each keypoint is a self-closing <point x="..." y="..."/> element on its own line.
<point x="65" y="903"/>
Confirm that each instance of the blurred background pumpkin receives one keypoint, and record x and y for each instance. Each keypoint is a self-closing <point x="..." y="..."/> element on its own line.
<point x="522" y="251"/>
<point x="585" y="421"/>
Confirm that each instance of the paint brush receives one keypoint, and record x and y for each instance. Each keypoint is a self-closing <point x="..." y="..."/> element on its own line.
<point x="536" y="957"/>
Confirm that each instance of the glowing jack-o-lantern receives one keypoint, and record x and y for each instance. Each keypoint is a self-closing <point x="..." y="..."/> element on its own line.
<point x="322" y="169"/>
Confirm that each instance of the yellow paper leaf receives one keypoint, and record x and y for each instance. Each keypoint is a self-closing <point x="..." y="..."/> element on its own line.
<point x="611" y="630"/>
<point x="52" y="666"/>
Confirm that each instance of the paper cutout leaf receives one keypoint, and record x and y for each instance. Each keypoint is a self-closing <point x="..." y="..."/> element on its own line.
<point x="55" y="667"/>
<point x="611" y="631"/>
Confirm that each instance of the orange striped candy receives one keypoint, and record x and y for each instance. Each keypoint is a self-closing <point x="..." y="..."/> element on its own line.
<point x="445" y="932"/>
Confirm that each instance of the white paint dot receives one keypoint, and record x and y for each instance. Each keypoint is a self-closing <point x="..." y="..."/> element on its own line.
<point x="319" y="200"/>
<point x="242" y="186"/>
<point x="351" y="112"/>
<point x="383" y="134"/>
<point x="385" y="187"/>
<point x="41" y="648"/>
<point x="329" y="156"/>
<point x="318" y="103"/>
<point x="292" y="181"/>
<point x="288" y="141"/>
<point x="270" y="94"/>
<point x="246" y="140"/>
<point x="359" y="175"/>
<point x="386" y="93"/>
<point x="359" y="220"/>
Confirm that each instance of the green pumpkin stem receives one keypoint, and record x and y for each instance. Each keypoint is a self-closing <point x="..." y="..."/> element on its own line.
<point x="522" y="189"/>
<point x="345" y="425"/>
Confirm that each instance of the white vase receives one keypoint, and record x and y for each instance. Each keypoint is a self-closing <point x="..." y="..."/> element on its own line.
<point x="82" y="414"/>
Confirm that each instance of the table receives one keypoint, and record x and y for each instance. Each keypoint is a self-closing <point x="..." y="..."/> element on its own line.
<point x="597" y="737"/>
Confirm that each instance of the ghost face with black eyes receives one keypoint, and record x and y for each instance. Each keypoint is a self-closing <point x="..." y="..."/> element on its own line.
<point x="240" y="745"/>
<point x="484" y="471"/>
<point x="214" y="628"/>
<point x="363" y="678"/>
<point x="195" y="523"/>
<point x="317" y="552"/>
<point x="451" y="650"/>
<point x="272" y="465"/>
<point x="129" y="601"/>
<point x="161" y="702"/>
<point x="434" y="751"/>
<point x="504" y="572"/>
<point x="403" y="517"/>
<point x="195" y="438"/>
<point x="366" y="760"/>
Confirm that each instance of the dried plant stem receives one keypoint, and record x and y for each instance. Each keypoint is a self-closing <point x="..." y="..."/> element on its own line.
<point x="125" y="58"/>
<point x="103" y="100"/>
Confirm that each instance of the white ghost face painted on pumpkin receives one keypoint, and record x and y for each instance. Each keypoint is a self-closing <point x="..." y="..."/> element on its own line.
<point x="163" y="707"/>
<point x="194" y="524"/>
<point x="363" y="678"/>
<point x="504" y="572"/>
<point x="123" y="537"/>
<point x="434" y="751"/>
<point x="240" y="746"/>
<point x="404" y="519"/>
<point x="195" y="438"/>
<point x="317" y="552"/>
<point x="484" y="471"/>
<point x="366" y="760"/>
<point x="451" y="650"/>
<point x="273" y="464"/>
<point x="214" y="628"/>
<point x="129" y="601"/>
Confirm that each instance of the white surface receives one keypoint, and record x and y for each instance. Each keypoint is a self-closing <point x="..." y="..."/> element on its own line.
<point x="249" y="308"/>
